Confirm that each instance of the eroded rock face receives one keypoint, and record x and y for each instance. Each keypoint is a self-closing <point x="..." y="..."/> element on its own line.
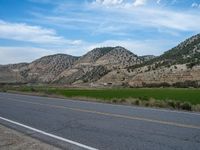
<point x="171" y="75"/>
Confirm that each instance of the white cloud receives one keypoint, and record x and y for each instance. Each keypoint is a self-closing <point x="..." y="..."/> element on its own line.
<point x="139" y="2"/>
<point x="34" y="34"/>
<point x="195" y="5"/>
<point x="121" y="16"/>
<point x="157" y="17"/>
<point x="120" y="3"/>
<point x="109" y="2"/>
<point x="158" y="1"/>
<point x="10" y="55"/>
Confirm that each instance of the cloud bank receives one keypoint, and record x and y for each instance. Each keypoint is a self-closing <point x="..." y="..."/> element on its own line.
<point x="34" y="34"/>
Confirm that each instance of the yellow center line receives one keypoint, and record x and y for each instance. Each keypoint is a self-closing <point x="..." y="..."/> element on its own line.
<point x="113" y="115"/>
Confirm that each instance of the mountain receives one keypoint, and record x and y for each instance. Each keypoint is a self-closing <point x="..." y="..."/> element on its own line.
<point x="109" y="56"/>
<point x="42" y="70"/>
<point x="96" y="64"/>
<point x="112" y="66"/>
<point x="147" y="57"/>
<point x="47" y="68"/>
<point x="93" y="55"/>
<point x="119" y="57"/>
<point x="10" y="73"/>
<point x="180" y="64"/>
<point x="185" y="53"/>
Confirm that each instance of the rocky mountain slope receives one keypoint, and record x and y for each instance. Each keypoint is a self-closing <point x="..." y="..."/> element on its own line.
<point x="47" y="68"/>
<point x="147" y="57"/>
<point x="185" y="53"/>
<point x="97" y="63"/>
<point x="114" y="66"/>
<point x="180" y="65"/>
<point x="10" y="73"/>
<point x="42" y="70"/>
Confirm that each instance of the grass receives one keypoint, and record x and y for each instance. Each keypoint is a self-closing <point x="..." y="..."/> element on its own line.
<point x="187" y="99"/>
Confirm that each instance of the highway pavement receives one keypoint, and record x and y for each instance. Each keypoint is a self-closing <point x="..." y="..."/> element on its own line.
<point x="74" y="124"/>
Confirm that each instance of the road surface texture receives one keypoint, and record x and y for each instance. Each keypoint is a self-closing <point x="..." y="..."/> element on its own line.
<point x="70" y="124"/>
<point x="13" y="140"/>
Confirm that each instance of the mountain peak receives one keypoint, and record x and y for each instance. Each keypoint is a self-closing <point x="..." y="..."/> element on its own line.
<point x="94" y="55"/>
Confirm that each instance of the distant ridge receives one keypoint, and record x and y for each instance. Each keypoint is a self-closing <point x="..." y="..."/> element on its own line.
<point x="114" y="66"/>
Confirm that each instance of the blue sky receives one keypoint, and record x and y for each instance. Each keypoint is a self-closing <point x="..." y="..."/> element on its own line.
<point x="34" y="28"/>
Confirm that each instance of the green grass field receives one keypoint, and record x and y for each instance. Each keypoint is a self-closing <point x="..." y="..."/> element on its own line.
<point x="184" y="95"/>
<point x="161" y="97"/>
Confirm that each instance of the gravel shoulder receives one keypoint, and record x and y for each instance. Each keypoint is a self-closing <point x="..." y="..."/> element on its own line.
<point x="13" y="140"/>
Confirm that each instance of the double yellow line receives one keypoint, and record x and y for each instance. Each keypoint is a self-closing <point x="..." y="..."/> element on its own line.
<point x="112" y="115"/>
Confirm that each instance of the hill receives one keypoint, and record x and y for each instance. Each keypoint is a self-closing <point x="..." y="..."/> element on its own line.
<point x="42" y="70"/>
<point x="179" y="66"/>
<point x="96" y="64"/>
<point x="113" y="66"/>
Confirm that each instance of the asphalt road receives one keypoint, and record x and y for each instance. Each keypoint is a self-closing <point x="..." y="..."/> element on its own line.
<point x="100" y="126"/>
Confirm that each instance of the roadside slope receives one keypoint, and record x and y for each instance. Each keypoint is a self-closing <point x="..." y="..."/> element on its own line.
<point x="13" y="140"/>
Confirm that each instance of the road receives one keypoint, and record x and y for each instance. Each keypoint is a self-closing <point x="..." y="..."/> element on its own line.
<point x="70" y="124"/>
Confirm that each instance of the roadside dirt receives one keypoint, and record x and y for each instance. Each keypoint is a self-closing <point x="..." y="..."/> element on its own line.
<point x="13" y="140"/>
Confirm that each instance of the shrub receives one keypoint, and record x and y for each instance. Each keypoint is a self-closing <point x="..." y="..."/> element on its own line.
<point x="129" y="70"/>
<point x="196" y="107"/>
<point x="3" y="90"/>
<point x="32" y="89"/>
<point x="144" y="98"/>
<point x="171" y="103"/>
<point x="114" y="101"/>
<point x="186" y="84"/>
<point x="46" y="91"/>
<point x="191" y="65"/>
<point x="156" y="103"/>
<point x="122" y="101"/>
<point x="152" y="85"/>
<point x="178" y="105"/>
<point x="146" y="104"/>
<point x="137" y="102"/>
<point x="152" y="102"/>
<point x="134" y="102"/>
<point x="186" y="106"/>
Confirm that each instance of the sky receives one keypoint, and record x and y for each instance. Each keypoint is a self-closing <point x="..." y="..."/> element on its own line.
<point x="30" y="29"/>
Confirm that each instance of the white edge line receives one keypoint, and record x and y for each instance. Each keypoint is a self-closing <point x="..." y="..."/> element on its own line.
<point x="50" y="135"/>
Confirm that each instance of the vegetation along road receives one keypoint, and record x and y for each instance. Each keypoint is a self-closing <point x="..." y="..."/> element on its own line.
<point x="173" y="98"/>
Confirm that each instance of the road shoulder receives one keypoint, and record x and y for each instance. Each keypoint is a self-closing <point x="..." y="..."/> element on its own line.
<point x="13" y="140"/>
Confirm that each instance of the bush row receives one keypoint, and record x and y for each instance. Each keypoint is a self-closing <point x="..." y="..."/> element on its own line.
<point x="185" y="84"/>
